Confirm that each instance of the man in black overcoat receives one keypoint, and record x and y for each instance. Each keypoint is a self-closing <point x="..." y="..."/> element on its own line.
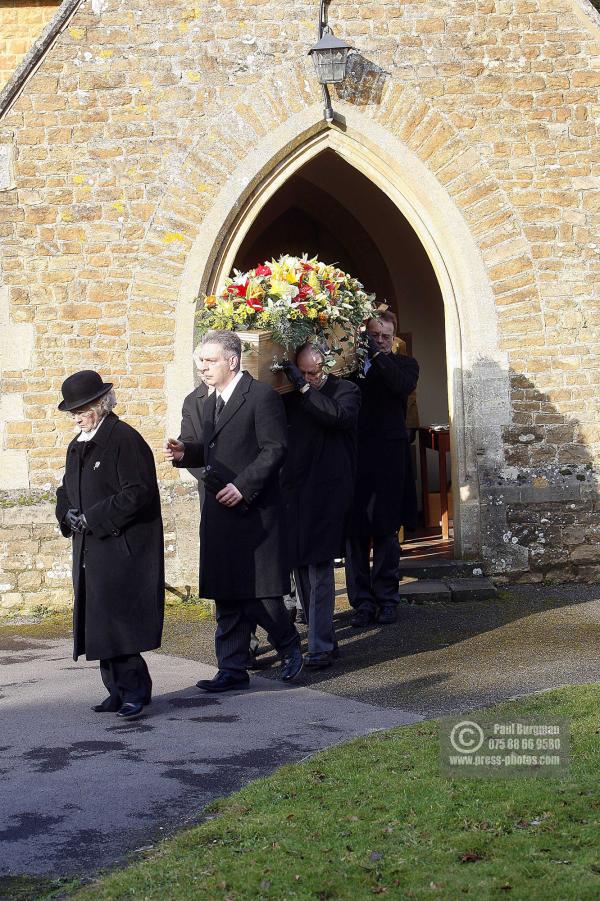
<point x="242" y="445"/>
<point x="190" y="431"/>
<point x="317" y="482"/>
<point x="190" y="428"/>
<point x="385" y="497"/>
<point x="109" y="503"/>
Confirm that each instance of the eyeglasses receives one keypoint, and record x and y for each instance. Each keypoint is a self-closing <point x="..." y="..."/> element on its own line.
<point x="382" y="336"/>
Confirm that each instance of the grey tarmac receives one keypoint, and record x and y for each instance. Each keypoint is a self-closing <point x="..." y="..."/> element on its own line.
<point x="80" y="790"/>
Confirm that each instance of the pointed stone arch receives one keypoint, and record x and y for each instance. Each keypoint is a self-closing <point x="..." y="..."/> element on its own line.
<point x="444" y="189"/>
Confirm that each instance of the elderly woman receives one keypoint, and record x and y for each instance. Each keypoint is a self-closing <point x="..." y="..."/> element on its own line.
<point x="109" y="503"/>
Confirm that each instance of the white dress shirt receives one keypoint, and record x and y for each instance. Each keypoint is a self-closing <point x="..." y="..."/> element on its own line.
<point x="228" y="391"/>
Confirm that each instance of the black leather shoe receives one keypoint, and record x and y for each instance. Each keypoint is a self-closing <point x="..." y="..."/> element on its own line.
<point x="318" y="661"/>
<point x="108" y="705"/>
<point x="336" y="650"/>
<point x="130" y="710"/>
<point x="292" y="665"/>
<point x="362" y="616"/>
<point x="257" y="663"/>
<point x="223" y="682"/>
<point x="388" y="614"/>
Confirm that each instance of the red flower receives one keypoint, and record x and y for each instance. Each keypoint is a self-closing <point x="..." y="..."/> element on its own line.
<point x="331" y="287"/>
<point x="302" y="308"/>
<point x="304" y="291"/>
<point x="239" y="290"/>
<point x="254" y="303"/>
<point x="263" y="270"/>
<point x="307" y="267"/>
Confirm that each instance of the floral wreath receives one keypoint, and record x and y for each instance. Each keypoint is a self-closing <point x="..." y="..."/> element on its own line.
<point x="298" y="300"/>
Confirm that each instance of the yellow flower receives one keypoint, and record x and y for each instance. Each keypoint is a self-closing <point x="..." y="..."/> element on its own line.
<point x="279" y="287"/>
<point x="313" y="281"/>
<point x="254" y="290"/>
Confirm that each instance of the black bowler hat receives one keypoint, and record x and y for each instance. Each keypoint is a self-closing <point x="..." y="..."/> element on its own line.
<point x="82" y="388"/>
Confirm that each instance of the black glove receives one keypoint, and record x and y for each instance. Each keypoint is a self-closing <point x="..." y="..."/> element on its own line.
<point x="76" y="521"/>
<point x="294" y="375"/>
<point x="372" y="347"/>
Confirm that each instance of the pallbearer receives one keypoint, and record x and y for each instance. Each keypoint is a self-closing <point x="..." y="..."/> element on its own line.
<point x="318" y="483"/>
<point x="241" y="444"/>
<point x="109" y="503"/>
<point x="385" y="497"/>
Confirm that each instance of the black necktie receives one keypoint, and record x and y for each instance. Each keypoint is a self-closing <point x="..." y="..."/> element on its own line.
<point x="219" y="408"/>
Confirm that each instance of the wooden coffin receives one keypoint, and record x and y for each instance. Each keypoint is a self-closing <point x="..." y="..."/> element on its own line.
<point x="260" y="351"/>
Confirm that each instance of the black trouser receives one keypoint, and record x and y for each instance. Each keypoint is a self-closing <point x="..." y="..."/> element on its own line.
<point x="235" y="620"/>
<point x="127" y="678"/>
<point x="376" y="585"/>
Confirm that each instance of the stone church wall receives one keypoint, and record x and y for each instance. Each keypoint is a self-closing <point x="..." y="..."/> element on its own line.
<point x="138" y="132"/>
<point x="21" y="23"/>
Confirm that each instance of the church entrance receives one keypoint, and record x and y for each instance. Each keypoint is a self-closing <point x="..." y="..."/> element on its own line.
<point x="330" y="209"/>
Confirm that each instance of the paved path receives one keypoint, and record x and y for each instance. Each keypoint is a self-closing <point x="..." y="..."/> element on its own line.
<point x="80" y="789"/>
<point x="74" y="783"/>
<point x="446" y="658"/>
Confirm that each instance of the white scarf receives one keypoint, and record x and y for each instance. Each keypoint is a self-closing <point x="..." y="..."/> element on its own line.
<point x="87" y="436"/>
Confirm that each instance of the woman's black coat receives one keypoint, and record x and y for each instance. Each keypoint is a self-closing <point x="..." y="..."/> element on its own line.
<point x="118" y="566"/>
<point x="242" y="548"/>
<point x="317" y="479"/>
<point x="385" y="496"/>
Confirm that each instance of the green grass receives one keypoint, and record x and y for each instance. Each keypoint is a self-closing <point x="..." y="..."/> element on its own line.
<point x="375" y="817"/>
<point x="43" y="888"/>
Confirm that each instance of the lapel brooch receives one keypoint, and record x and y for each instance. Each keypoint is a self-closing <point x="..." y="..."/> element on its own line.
<point x="97" y="464"/>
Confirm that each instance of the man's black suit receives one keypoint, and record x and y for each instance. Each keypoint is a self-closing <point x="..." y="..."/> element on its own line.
<point x="317" y="478"/>
<point x="317" y="483"/>
<point x="385" y="496"/>
<point x="242" y="549"/>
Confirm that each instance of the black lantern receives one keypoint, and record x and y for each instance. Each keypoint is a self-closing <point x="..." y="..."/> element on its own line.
<point x="330" y="56"/>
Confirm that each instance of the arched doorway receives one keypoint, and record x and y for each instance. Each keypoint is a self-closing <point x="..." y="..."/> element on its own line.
<point x="330" y="209"/>
<point x="477" y="370"/>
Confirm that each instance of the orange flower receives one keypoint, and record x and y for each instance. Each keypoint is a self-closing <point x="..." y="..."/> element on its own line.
<point x="210" y="300"/>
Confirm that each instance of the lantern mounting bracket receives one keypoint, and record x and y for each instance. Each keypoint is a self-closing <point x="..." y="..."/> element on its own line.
<point x="330" y="55"/>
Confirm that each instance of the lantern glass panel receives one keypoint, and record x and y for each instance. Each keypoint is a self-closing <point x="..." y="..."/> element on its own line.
<point x="331" y="65"/>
